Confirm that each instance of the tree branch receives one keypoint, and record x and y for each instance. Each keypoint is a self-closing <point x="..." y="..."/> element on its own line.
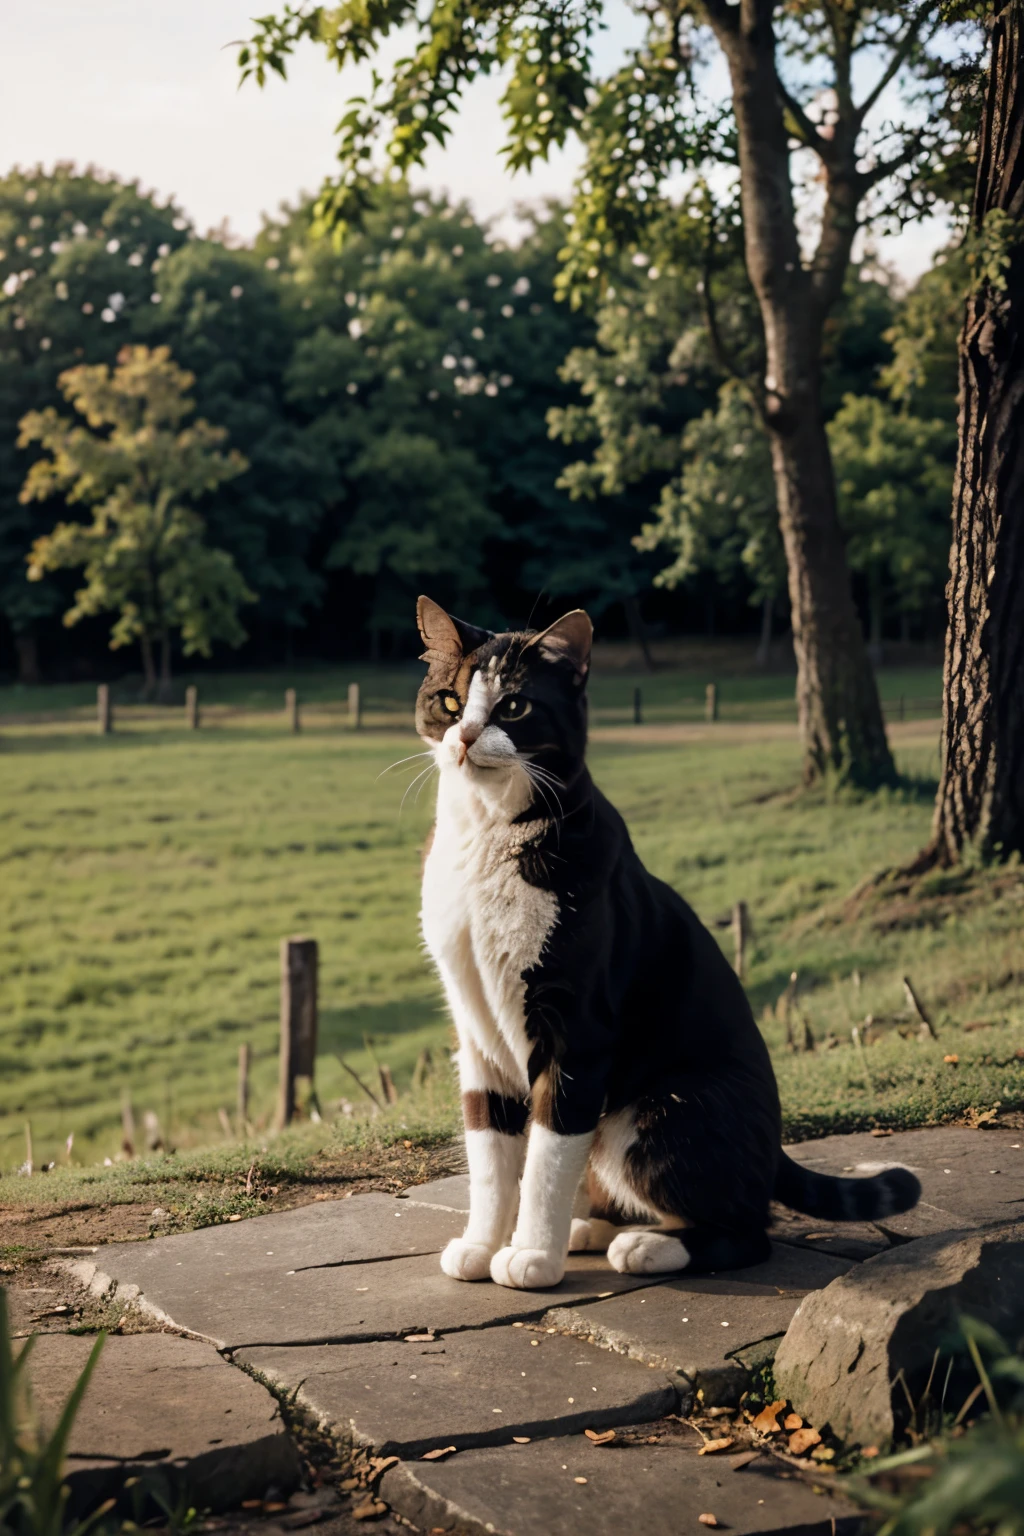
<point x="722" y="18"/>
<point x="805" y="130"/>
<point x="897" y="58"/>
<point x="722" y="354"/>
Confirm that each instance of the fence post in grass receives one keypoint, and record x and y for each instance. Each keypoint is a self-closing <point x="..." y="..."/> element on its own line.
<point x="291" y="709"/>
<point x="740" y="933"/>
<point x="711" y="702"/>
<point x="104" y="710"/>
<point x="299" y="964"/>
<point x="192" y="707"/>
<point x="242" y="1107"/>
<point x="28" y="1147"/>
<point x="387" y="1084"/>
<point x="638" y="707"/>
<point x="355" y="707"/>
<point x="127" y="1124"/>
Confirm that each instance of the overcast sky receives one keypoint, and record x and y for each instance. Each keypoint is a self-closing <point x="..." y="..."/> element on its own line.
<point x="148" y="88"/>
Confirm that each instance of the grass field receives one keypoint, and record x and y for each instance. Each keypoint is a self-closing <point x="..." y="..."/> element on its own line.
<point x="147" y="878"/>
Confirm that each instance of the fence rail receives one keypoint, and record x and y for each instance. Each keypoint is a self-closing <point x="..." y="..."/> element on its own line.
<point x="357" y="712"/>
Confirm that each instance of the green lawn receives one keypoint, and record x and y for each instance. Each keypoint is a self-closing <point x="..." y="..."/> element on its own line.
<point x="147" y="878"/>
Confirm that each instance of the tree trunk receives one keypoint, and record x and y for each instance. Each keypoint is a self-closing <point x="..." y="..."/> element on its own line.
<point x="981" y="790"/>
<point x="876" y="649"/>
<point x="841" y="723"/>
<point x="26" y="644"/>
<point x="165" y="668"/>
<point x="638" y="630"/>
<point x="764" y="645"/>
<point x="148" y="668"/>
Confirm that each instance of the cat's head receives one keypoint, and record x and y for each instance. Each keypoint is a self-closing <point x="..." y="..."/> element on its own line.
<point x="490" y="704"/>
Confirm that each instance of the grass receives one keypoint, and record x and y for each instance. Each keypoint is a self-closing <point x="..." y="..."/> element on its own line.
<point x="147" y="878"/>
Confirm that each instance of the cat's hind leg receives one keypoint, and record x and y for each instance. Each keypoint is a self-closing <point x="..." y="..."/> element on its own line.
<point x="600" y="1221"/>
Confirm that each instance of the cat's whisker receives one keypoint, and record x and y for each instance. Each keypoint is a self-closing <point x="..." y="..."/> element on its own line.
<point x="423" y="774"/>
<point x="415" y="758"/>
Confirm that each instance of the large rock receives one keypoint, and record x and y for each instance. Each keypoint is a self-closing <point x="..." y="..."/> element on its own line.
<point x="167" y="1411"/>
<point x="847" y="1344"/>
<point x="570" y="1487"/>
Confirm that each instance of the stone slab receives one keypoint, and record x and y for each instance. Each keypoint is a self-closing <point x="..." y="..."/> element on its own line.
<point x="450" y="1194"/>
<point x="710" y="1331"/>
<point x="968" y="1178"/>
<point x="166" y="1410"/>
<point x="531" y="1490"/>
<point x="849" y="1344"/>
<point x="467" y="1389"/>
<point x="219" y="1294"/>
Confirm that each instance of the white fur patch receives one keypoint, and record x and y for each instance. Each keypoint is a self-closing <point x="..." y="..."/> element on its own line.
<point x="647" y="1253"/>
<point x="616" y="1134"/>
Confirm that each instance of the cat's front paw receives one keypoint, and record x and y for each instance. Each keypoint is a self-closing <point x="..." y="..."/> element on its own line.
<point x="464" y="1260"/>
<point x="527" y="1269"/>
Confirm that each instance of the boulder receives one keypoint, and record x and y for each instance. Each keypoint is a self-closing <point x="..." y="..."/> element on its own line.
<point x="847" y="1345"/>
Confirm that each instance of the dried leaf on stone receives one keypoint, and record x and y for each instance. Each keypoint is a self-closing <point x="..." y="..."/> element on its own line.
<point x="707" y="1519"/>
<point x="369" y="1509"/>
<point x="792" y="1421"/>
<point x="880" y="1131"/>
<point x="822" y="1453"/>
<point x="520" y="1439"/>
<point x="381" y="1463"/>
<point x="605" y="1437"/>
<point x="802" y="1440"/>
<point x="710" y="1446"/>
<point x="436" y="1455"/>
<point x="765" y="1423"/>
<point x="421" y="1338"/>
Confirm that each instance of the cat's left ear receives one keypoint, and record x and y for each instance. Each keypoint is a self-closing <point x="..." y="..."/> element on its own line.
<point x="567" y="639"/>
<point x="444" y="635"/>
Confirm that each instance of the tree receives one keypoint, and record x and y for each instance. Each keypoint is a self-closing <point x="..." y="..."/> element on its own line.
<point x="133" y="463"/>
<point x="79" y="258"/>
<point x="640" y="127"/>
<point x="980" y="801"/>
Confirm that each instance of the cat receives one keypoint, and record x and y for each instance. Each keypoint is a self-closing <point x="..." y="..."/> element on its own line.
<point x="603" y="1037"/>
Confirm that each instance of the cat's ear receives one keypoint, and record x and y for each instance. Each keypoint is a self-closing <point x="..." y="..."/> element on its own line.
<point x="446" y="637"/>
<point x="567" y="639"/>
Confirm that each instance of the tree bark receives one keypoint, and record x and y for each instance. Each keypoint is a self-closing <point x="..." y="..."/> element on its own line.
<point x="841" y="724"/>
<point x="148" y="669"/>
<point x="980" y="801"/>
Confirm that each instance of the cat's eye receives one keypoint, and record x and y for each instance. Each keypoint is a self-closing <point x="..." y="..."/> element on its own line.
<point x="514" y="708"/>
<point x="450" y="703"/>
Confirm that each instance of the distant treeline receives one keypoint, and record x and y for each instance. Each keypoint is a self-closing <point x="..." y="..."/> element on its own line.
<point x="418" y="413"/>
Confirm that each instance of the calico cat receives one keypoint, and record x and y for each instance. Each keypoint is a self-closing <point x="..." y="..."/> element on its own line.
<point x="602" y="1033"/>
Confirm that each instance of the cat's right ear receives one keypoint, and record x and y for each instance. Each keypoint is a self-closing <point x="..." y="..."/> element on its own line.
<point x="446" y="638"/>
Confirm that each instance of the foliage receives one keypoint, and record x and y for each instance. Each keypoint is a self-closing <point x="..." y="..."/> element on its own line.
<point x="894" y="479"/>
<point x="965" y="1482"/>
<point x="33" y="1494"/>
<point x="144" y="552"/>
<point x="79" y="258"/>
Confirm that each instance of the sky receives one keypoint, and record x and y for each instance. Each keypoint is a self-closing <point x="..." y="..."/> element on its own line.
<point x="149" y="89"/>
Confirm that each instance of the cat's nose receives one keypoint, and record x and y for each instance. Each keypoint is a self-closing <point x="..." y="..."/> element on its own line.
<point x="468" y="733"/>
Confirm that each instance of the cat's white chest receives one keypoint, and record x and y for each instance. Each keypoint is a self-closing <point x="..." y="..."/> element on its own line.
<point x="484" y="924"/>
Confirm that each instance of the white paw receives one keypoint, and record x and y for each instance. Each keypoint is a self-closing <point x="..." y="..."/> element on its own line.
<point x="466" y="1261"/>
<point x="527" y="1269"/>
<point x="647" y="1253"/>
<point x="579" y="1235"/>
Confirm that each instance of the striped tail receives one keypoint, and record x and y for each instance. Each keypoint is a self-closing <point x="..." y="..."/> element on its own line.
<point x="885" y="1193"/>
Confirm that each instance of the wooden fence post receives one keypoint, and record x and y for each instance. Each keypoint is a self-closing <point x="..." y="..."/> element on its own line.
<point x="638" y="707"/>
<point x="291" y="709"/>
<point x="355" y="707"/>
<point x="127" y="1124"/>
<point x="104" y="710"/>
<point x="299" y="964"/>
<point x="740" y="933"/>
<point x="711" y="702"/>
<point x="244" y="1063"/>
<point x="192" y="707"/>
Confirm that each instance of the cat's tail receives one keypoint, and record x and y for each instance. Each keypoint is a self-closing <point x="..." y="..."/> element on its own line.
<point x="886" y="1191"/>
